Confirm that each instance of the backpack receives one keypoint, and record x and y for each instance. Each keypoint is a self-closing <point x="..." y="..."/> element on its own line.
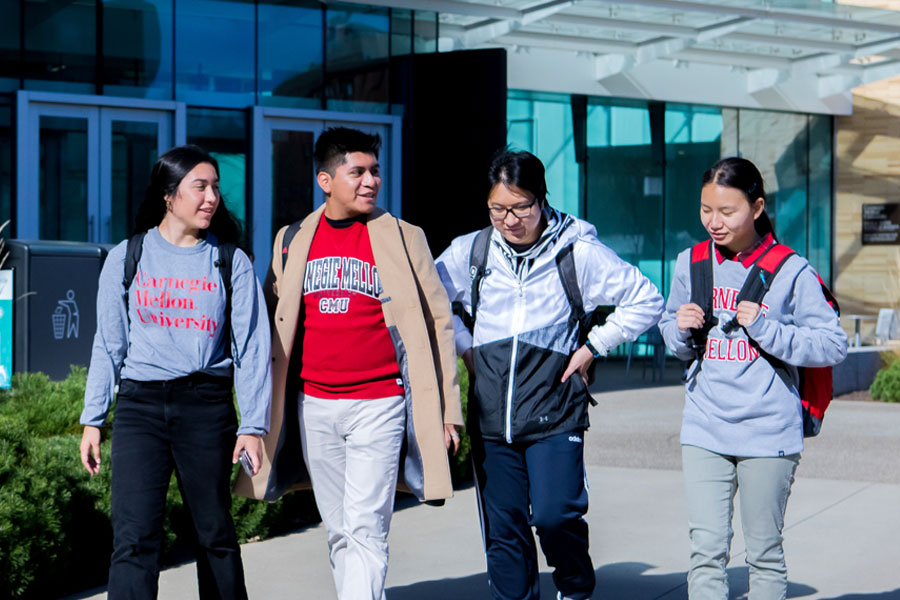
<point x="135" y="248"/>
<point x="816" y="384"/>
<point x="565" y="266"/>
<point x="289" y="234"/>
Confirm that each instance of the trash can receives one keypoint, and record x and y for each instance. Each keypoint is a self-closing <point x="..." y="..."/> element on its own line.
<point x="55" y="303"/>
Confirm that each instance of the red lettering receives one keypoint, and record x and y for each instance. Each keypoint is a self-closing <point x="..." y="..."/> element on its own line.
<point x="742" y="350"/>
<point x="710" y="352"/>
<point x="733" y="294"/>
<point x="754" y="353"/>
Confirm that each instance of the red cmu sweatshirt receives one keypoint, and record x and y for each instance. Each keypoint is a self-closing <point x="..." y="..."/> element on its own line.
<point x="347" y="350"/>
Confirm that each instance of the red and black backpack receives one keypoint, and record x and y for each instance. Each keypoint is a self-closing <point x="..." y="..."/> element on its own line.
<point x="816" y="386"/>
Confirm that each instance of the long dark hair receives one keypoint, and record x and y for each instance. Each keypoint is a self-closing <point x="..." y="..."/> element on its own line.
<point x="521" y="169"/>
<point x="741" y="174"/>
<point x="165" y="177"/>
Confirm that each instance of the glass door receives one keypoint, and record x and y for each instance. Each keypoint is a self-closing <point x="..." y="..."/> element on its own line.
<point x="85" y="163"/>
<point x="131" y="141"/>
<point x="66" y="184"/>
<point x="284" y="185"/>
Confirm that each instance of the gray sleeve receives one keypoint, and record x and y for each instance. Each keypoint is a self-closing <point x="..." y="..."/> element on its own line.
<point x="110" y="340"/>
<point x="679" y="294"/>
<point x="811" y="336"/>
<point x="251" y="349"/>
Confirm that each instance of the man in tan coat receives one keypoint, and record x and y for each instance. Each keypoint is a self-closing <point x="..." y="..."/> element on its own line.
<point x="364" y="365"/>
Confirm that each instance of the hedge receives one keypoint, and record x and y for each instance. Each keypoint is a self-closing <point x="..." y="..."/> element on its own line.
<point x="55" y="534"/>
<point x="886" y="386"/>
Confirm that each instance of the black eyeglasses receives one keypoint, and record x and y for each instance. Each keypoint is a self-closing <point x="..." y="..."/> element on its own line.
<point x="498" y="213"/>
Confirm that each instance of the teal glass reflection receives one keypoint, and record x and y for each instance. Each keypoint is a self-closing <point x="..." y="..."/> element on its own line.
<point x="137" y="48"/>
<point x="60" y="46"/>
<point x="223" y="134"/>
<point x="290" y="53"/>
<point x="542" y="125"/>
<point x="214" y="60"/>
<point x="693" y="145"/>
<point x="821" y="143"/>
<point x="356" y="58"/>
<point x="624" y="184"/>
<point x="401" y="31"/>
<point x="425" y="32"/>
<point x="9" y="46"/>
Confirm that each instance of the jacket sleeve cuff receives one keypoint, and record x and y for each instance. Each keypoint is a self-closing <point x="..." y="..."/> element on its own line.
<point x="606" y="337"/>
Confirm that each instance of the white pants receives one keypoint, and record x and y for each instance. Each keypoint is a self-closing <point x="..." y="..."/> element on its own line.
<point x="764" y="484"/>
<point x="352" y="452"/>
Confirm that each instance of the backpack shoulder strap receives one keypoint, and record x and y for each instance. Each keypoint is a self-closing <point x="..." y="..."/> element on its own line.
<point x="701" y="271"/>
<point x="478" y="257"/>
<point x="763" y="273"/>
<point x="133" y="250"/>
<point x="289" y="234"/>
<point x="565" y="264"/>
<point x="224" y="263"/>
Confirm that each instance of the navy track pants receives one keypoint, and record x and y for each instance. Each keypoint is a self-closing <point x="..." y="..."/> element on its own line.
<point x="540" y="484"/>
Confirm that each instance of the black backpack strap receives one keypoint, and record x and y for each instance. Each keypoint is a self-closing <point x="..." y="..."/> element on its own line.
<point x="565" y="264"/>
<point x="133" y="250"/>
<point x="702" y="293"/>
<point x="478" y="256"/>
<point x="760" y="279"/>
<point x="224" y="262"/>
<point x="289" y="234"/>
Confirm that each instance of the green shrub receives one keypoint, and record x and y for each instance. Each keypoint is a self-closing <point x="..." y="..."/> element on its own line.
<point x="54" y="520"/>
<point x="461" y="464"/>
<point x="886" y="386"/>
<point x="46" y="407"/>
<point x="55" y="533"/>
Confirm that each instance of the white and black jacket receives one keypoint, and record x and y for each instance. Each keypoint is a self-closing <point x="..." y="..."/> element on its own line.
<point x="523" y="335"/>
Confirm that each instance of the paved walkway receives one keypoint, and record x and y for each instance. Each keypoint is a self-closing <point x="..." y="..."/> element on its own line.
<point x="842" y="533"/>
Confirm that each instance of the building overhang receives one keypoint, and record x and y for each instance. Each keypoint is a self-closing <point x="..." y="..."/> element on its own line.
<point x="797" y="55"/>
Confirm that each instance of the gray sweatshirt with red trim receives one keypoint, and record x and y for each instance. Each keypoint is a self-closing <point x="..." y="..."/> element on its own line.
<point x="737" y="404"/>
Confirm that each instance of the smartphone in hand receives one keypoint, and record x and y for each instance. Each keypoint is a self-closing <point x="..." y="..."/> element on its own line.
<point x="246" y="462"/>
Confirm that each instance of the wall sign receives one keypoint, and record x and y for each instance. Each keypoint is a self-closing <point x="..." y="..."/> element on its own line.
<point x="881" y="224"/>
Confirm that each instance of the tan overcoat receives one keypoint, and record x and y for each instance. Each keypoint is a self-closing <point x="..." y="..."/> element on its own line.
<point x="417" y="314"/>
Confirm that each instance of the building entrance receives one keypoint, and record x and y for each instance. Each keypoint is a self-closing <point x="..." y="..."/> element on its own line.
<point x="84" y="162"/>
<point x="284" y="187"/>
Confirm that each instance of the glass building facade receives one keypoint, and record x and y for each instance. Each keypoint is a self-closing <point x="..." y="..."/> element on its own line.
<point x="633" y="170"/>
<point x="218" y="59"/>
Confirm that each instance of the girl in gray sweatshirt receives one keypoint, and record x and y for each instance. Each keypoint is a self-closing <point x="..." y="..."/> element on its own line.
<point x="168" y="339"/>
<point x="742" y="428"/>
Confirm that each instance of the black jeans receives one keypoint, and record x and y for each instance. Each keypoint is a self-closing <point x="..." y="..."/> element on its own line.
<point x="538" y="484"/>
<point x="189" y="425"/>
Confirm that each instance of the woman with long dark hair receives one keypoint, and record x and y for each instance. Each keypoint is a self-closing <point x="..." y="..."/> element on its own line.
<point x="175" y="339"/>
<point x="742" y="428"/>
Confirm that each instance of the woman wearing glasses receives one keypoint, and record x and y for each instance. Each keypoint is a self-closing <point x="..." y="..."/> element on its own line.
<point x="528" y="360"/>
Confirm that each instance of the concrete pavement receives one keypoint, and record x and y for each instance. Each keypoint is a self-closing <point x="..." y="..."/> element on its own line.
<point x="842" y="533"/>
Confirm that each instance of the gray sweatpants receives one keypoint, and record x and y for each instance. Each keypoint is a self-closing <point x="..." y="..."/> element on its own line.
<point x="710" y="482"/>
